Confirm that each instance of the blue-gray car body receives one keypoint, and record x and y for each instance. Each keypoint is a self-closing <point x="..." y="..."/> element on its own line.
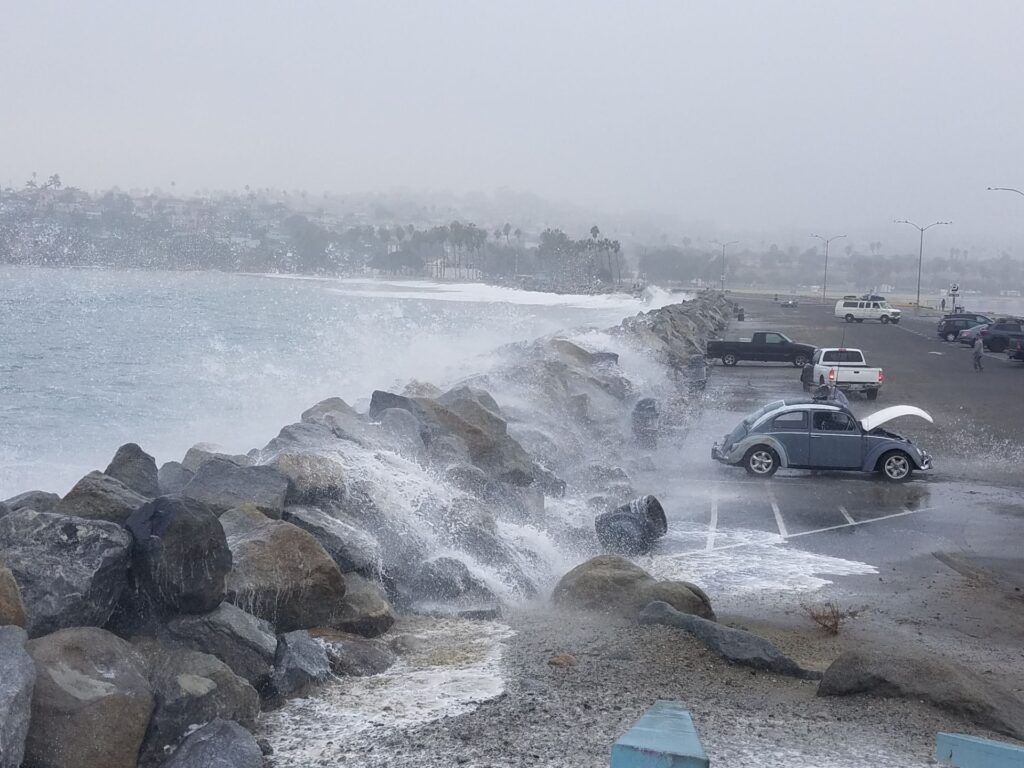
<point x="806" y="433"/>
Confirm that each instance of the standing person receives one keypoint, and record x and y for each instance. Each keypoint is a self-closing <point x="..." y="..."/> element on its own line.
<point x="979" y="350"/>
<point x="943" y="305"/>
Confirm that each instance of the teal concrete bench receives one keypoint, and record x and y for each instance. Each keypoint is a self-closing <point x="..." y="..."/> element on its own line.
<point x="664" y="737"/>
<point x="972" y="752"/>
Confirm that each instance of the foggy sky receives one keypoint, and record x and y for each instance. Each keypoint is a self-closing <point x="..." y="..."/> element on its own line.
<point x="818" y="115"/>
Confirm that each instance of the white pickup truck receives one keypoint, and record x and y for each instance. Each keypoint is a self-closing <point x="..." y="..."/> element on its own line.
<point x="845" y="368"/>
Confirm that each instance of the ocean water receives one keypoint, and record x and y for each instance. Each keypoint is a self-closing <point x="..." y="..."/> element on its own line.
<point x="91" y="359"/>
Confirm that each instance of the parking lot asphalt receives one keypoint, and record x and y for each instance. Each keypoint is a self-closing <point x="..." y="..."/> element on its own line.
<point x="939" y="559"/>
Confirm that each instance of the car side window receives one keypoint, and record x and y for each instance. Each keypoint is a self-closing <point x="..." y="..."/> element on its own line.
<point x="794" y="421"/>
<point x="876" y="305"/>
<point x="833" y="421"/>
<point x="772" y="338"/>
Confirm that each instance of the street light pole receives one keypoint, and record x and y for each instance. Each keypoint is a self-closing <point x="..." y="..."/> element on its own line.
<point x="824" y="281"/>
<point x="1006" y="189"/>
<point x="731" y="242"/>
<point x="920" y="252"/>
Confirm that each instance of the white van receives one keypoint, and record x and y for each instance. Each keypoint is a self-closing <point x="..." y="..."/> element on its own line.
<point x="861" y="310"/>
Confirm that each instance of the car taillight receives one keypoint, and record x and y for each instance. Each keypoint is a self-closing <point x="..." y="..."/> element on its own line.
<point x="881" y="376"/>
<point x="832" y="374"/>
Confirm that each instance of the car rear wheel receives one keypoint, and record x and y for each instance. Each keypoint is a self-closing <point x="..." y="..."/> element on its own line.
<point x="884" y="319"/>
<point x="850" y="318"/>
<point x="800" y="360"/>
<point x="950" y="336"/>
<point x="896" y="466"/>
<point x="728" y="359"/>
<point x="761" y="461"/>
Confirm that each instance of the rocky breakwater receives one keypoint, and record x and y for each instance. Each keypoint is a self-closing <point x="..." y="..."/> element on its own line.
<point x="151" y="601"/>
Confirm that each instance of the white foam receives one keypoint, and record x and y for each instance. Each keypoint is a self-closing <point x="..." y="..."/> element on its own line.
<point x="455" y="667"/>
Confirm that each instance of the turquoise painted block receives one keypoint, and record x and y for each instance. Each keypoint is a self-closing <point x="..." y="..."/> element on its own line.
<point x="664" y="737"/>
<point x="973" y="752"/>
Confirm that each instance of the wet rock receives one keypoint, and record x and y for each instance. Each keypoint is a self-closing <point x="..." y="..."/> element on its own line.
<point x="421" y="389"/>
<point x="200" y="453"/>
<point x="172" y="477"/>
<point x="189" y="687"/>
<point x="365" y="610"/>
<point x="40" y="501"/>
<point x="893" y="673"/>
<point x="299" y="438"/>
<point x="352" y="656"/>
<point x="71" y="571"/>
<point x="471" y="479"/>
<point x="351" y="547"/>
<point x="353" y="428"/>
<point x="300" y="664"/>
<point x="446" y="580"/>
<point x="222" y="485"/>
<point x="91" y="704"/>
<point x="282" y="574"/>
<point x="632" y="528"/>
<point x="404" y="430"/>
<point x="562" y="660"/>
<point x="243" y="642"/>
<point x="242" y="520"/>
<point x="612" y="584"/>
<point x="12" y="609"/>
<point x="315" y="414"/>
<point x="100" y="497"/>
<point x="17" y="681"/>
<point x="180" y="556"/>
<point x="734" y="645"/>
<point x="314" y="479"/>
<point x="405" y="644"/>
<point x="136" y="469"/>
<point x="218" y="744"/>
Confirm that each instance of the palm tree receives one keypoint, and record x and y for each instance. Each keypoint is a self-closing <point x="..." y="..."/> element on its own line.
<point x="505" y="230"/>
<point x="594" y="232"/>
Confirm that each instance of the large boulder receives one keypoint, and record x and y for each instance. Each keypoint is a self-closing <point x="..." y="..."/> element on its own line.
<point x="734" y="645"/>
<point x="283" y="575"/>
<point x="100" y="497"/>
<point x="12" y="609"/>
<point x="447" y="580"/>
<point x="200" y="453"/>
<point x="299" y="438"/>
<point x="315" y="414"/>
<point x="242" y="520"/>
<point x="366" y="610"/>
<point x="189" y="687"/>
<point x="612" y="584"/>
<point x="352" y="656"/>
<point x="71" y="571"/>
<point x="218" y="744"/>
<point x="223" y="485"/>
<point x="313" y="479"/>
<point x="300" y="664"/>
<point x="172" y="477"/>
<point x="180" y="557"/>
<point x="40" y="501"/>
<point x="351" y="547"/>
<point x="92" y="701"/>
<point x="243" y="642"/>
<point x="136" y="469"/>
<point x="17" y="681"/>
<point x="893" y="673"/>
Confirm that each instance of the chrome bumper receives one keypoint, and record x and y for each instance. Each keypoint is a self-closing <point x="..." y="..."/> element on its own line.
<point x="926" y="461"/>
<point x="717" y="455"/>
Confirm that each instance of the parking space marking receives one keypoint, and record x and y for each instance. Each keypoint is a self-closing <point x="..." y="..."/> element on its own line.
<point x="843" y="511"/>
<point x="904" y="513"/>
<point x="778" y="514"/>
<point x="713" y="522"/>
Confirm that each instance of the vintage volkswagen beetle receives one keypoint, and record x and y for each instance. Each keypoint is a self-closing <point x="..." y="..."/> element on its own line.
<point x="807" y="433"/>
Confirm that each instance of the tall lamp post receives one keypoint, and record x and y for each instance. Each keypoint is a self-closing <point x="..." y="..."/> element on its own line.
<point x="1006" y="189"/>
<point x="824" y="281"/>
<point x="724" y="245"/>
<point x="920" y="252"/>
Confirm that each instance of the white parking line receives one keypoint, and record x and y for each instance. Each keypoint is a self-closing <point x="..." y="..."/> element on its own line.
<point x="713" y="522"/>
<point x="844" y="513"/>
<point x="778" y="514"/>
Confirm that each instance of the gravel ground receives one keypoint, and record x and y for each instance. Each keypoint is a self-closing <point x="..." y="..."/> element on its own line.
<point x="570" y="716"/>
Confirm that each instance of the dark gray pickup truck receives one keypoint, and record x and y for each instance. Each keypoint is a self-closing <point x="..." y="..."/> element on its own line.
<point x="763" y="346"/>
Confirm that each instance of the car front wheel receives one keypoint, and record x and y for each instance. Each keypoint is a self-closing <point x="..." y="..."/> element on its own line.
<point x="950" y="336"/>
<point x="896" y="466"/>
<point x="884" y="319"/>
<point x="850" y="318"/>
<point x="729" y="359"/>
<point x="800" y="361"/>
<point x="761" y="461"/>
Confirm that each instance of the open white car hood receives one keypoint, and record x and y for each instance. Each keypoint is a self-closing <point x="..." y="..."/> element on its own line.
<point x="878" y="418"/>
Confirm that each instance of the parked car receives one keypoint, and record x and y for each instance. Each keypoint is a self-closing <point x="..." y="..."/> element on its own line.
<point x="789" y="304"/>
<point x="763" y="346"/>
<point x="951" y="325"/>
<point x="1016" y="349"/>
<point x="968" y="336"/>
<point x="843" y="368"/>
<point x="997" y="336"/>
<point x="861" y="310"/>
<point x="812" y="434"/>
